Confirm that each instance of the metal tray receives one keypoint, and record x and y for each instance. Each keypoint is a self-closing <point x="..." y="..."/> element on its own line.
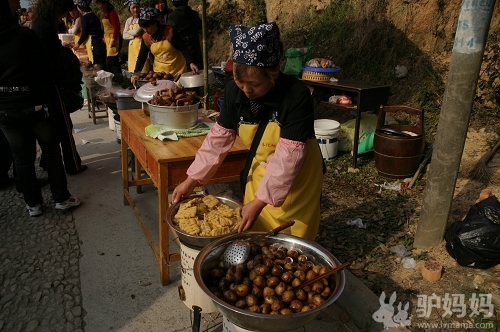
<point x="194" y="241"/>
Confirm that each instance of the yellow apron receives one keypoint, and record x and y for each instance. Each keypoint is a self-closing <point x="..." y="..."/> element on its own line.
<point x="133" y="51"/>
<point x="302" y="202"/>
<point x="108" y="37"/>
<point x="88" y="46"/>
<point x="167" y="58"/>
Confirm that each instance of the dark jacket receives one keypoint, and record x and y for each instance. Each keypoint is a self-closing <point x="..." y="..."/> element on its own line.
<point x="187" y="24"/>
<point x="289" y="104"/>
<point x="52" y="44"/>
<point x="20" y="70"/>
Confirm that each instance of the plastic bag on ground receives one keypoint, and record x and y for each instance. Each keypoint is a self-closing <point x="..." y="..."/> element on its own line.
<point x="475" y="241"/>
<point x="296" y="58"/>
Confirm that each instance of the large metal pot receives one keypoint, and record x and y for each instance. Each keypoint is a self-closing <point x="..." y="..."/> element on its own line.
<point x="194" y="80"/>
<point x="174" y="117"/>
<point x="194" y="241"/>
<point x="208" y="259"/>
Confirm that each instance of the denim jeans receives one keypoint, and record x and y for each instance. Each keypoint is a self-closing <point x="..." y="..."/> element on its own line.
<point x="23" y="128"/>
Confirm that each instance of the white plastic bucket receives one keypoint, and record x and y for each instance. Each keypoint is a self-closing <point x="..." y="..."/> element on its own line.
<point x="189" y="292"/>
<point x="111" y="121"/>
<point x="327" y="133"/>
<point x="118" y="130"/>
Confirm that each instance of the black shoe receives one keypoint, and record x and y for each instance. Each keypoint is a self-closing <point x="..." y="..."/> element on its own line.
<point x="82" y="169"/>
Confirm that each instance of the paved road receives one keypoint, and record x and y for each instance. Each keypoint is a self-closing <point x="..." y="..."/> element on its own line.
<point x="91" y="269"/>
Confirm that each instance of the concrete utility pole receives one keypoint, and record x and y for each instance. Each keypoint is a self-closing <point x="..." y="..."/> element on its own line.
<point x="204" y="43"/>
<point x="467" y="55"/>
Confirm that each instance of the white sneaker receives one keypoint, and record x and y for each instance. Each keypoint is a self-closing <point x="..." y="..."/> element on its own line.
<point x="34" y="211"/>
<point x="67" y="204"/>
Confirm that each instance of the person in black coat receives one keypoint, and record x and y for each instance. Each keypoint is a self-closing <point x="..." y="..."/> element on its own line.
<point x="47" y="16"/>
<point x="187" y="24"/>
<point x="24" y="116"/>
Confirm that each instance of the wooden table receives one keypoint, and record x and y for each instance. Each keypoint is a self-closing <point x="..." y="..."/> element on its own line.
<point x="369" y="97"/>
<point x="166" y="164"/>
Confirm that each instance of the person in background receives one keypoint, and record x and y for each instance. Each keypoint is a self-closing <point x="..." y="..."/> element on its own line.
<point x="112" y="37"/>
<point x="75" y="28"/>
<point x="283" y="177"/>
<point x="23" y="113"/>
<point x="48" y="15"/>
<point x="187" y="24"/>
<point x="22" y="16"/>
<point x="157" y="40"/>
<point x="163" y="9"/>
<point x="63" y="24"/>
<point x="91" y="35"/>
<point x="29" y="18"/>
<point x="133" y="33"/>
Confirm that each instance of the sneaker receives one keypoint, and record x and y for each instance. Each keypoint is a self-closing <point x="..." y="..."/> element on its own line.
<point x="69" y="203"/>
<point x="34" y="211"/>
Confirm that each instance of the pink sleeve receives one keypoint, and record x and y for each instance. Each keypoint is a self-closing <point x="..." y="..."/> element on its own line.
<point x="212" y="152"/>
<point x="281" y="170"/>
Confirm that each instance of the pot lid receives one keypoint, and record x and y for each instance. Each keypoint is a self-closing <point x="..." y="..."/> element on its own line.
<point x="192" y="79"/>
<point x="124" y="93"/>
<point x="147" y="91"/>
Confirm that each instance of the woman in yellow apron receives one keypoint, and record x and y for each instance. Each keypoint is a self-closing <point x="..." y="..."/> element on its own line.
<point x="91" y="34"/>
<point x="132" y="32"/>
<point x="76" y="29"/>
<point x="156" y="41"/>
<point x="112" y="38"/>
<point x="285" y="173"/>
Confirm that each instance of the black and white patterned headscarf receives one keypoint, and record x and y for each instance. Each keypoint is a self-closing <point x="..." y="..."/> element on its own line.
<point x="149" y="14"/>
<point x="256" y="46"/>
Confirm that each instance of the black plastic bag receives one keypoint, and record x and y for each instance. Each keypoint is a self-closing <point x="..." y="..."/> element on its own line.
<point x="475" y="242"/>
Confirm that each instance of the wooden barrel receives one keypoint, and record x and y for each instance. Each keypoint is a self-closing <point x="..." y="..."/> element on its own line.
<point x="397" y="153"/>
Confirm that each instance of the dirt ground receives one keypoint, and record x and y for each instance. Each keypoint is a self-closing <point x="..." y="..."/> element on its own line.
<point x="391" y="219"/>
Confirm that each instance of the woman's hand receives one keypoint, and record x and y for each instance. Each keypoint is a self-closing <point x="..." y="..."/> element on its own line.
<point x="185" y="189"/>
<point x="133" y="79"/>
<point x="76" y="47"/>
<point x="194" y="68"/>
<point x="249" y="214"/>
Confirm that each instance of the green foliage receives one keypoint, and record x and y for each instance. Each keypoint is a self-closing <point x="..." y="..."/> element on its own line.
<point x="423" y="256"/>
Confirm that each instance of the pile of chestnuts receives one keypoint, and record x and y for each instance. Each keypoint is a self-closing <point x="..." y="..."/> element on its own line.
<point x="265" y="283"/>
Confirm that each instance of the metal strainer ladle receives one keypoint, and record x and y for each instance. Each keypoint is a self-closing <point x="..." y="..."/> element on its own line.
<point x="238" y="251"/>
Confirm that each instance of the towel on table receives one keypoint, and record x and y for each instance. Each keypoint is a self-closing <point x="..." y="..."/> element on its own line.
<point x="165" y="134"/>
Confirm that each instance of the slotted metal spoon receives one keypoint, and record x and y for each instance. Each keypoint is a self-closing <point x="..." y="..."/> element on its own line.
<point x="238" y="251"/>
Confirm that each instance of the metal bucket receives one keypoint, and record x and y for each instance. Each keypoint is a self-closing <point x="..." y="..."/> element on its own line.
<point x="398" y="148"/>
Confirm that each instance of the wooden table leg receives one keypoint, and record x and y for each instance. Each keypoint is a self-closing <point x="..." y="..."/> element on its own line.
<point x="163" y="243"/>
<point x="89" y="101"/>
<point x="137" y="174"/>
<point x="125" y="178"/>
